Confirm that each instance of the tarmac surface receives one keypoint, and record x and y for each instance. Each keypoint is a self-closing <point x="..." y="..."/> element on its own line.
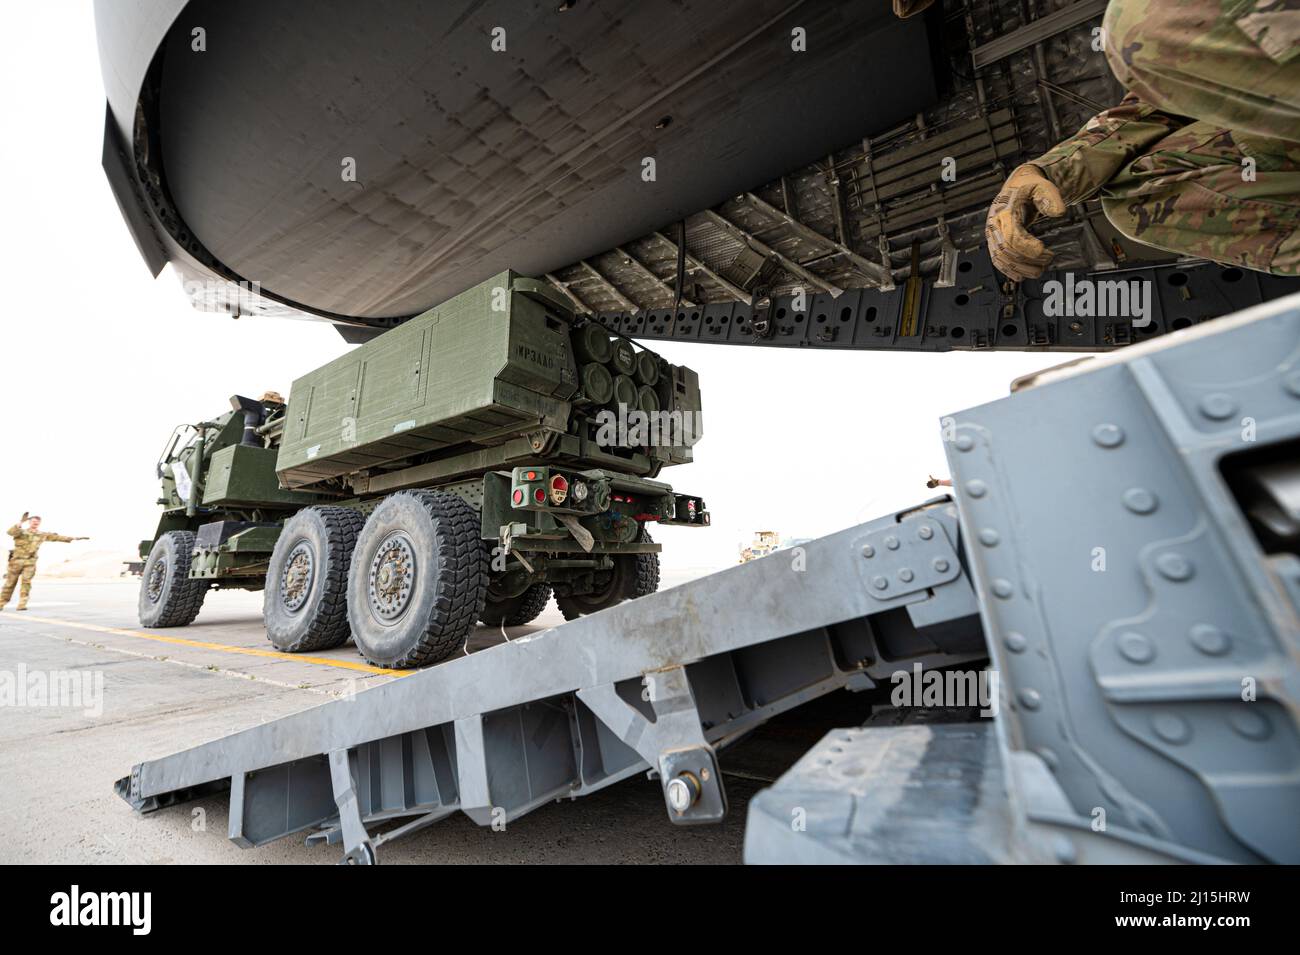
<point x="148" y="693"/>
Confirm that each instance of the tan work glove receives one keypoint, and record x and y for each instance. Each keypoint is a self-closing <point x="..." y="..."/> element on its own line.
<point x="1025" y="195"/>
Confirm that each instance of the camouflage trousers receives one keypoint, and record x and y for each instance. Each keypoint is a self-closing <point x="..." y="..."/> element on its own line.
<point x="1226" y="184"/>
<point x="23" y="570"/>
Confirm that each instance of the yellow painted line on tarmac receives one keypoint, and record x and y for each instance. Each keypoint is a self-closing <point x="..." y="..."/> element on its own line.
<point x="222" y="647"/>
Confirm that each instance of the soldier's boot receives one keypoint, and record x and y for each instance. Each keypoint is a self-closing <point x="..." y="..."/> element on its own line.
<point x="1231" y="197"/>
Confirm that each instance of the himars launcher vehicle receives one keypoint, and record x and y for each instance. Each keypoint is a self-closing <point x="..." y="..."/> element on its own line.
<point x="459" y="468"/>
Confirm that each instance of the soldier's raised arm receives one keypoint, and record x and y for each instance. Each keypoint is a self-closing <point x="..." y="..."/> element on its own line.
<point x="15" y="530"/>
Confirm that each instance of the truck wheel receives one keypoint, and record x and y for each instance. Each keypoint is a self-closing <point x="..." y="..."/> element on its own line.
<point x="305" y="602"/>
<point x="635" y="575"/>
<point x="606" y="594"/>
<point x="643" y="578"/>
<point x="517" y="611"/>
<point x="418" y="580"/>
<point x="168" y="598"/>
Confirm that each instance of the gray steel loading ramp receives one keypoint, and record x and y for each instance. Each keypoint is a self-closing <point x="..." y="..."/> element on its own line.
<point x="1155" y="692"/>
<point x="659" y="682"/>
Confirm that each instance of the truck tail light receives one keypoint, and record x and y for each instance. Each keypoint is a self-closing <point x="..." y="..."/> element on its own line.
<point x="559" y="489"/>
<point x="518" y="496"/>
<point x="539" y="496"/>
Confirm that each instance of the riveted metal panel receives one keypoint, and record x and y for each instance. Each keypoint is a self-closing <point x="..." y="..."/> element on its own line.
<point x="1147" y="641"/>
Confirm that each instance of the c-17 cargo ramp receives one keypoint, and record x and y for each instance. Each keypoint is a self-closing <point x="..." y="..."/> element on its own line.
<point x="1136" y="589"/>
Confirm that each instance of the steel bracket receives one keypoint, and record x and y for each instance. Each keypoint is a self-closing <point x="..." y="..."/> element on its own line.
<point x="357" y="846"/>
<point x="673" y="741"/>
<point x="912" y="557"/>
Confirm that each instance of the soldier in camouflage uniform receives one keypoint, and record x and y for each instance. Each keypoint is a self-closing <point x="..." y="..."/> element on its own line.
<point x="22" y="559"/>
<point x="1202" y="156"/>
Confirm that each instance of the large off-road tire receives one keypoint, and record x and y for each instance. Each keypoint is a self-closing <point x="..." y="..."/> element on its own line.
<point x="517" y="611"/>
<point x="305" y="604"/>
<point x="634" y="575"/>
<point x="168" y="598"/>
<point x="418" y="580"/>
<point x="643" y="579"/>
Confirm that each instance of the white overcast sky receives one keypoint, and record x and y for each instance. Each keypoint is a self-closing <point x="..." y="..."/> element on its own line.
<point x="98" y="361"/>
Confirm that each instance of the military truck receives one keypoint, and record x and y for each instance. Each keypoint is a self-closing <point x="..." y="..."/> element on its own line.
<point x="464" y="466"/>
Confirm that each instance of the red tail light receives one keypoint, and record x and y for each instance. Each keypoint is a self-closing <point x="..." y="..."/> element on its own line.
<point x="559" y="489"/>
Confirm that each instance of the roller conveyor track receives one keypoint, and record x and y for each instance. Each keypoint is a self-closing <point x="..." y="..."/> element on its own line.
<point x="979" y="310"/>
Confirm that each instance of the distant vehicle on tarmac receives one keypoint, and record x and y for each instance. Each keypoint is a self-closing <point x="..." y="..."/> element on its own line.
<point x="764" y="543"/>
